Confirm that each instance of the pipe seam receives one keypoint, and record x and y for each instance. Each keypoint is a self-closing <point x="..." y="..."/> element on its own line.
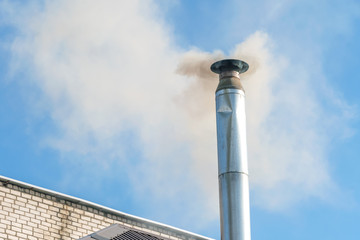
<point x="234" y="172"/>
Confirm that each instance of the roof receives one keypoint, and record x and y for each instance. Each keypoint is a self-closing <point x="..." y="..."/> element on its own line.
<point x="120" y="232"/>
<point x="145" y="223"/>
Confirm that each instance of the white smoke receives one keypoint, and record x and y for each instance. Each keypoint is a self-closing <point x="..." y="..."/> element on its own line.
<point x="108" y="74"/>
<point x="286" y="136"/>
<point x="288" y="128"/>
<point x="114" y="82"/>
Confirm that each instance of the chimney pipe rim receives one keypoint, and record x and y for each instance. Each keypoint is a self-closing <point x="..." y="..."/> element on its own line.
<point x="229" y="65"/>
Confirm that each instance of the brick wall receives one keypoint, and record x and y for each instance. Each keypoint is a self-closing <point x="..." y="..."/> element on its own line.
<point x="27" y="212"/>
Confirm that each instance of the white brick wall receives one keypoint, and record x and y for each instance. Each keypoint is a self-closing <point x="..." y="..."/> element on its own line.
<point x="31" y="213"/>
<point x="27" y="214"/>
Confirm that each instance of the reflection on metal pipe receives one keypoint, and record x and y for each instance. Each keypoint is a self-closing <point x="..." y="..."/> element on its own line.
<point x="232" y="151"/>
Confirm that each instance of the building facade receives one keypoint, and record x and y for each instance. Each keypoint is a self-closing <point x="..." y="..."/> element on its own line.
<point x="31" y="212"/>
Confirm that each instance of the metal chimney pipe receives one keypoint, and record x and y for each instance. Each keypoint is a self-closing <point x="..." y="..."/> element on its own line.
<point x="232" y="150"/>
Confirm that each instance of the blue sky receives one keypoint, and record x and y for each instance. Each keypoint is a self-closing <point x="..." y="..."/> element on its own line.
<point x="113" y="102"/>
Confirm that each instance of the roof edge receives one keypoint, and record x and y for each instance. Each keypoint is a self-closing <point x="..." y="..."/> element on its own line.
<point x="102" y="208"/>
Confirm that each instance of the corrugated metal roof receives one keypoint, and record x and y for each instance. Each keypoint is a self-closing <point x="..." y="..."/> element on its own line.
<point x="135" y="236"/>
<point x="119" y="232"/>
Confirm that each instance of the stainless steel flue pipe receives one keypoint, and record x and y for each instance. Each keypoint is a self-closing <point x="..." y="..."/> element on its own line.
<point x="232" y="151"/>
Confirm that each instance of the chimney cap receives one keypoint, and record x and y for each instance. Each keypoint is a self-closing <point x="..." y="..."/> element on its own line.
<point x="229" y="65"/>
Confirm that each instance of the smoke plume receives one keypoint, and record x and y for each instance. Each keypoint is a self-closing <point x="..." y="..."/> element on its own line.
<point x="287" y="142"/>
<point x="124" y="98"/>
